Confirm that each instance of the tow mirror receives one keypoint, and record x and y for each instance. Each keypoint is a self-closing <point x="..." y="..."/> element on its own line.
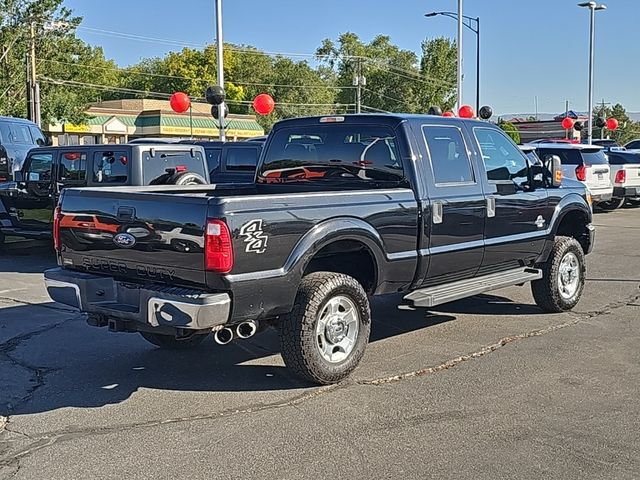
<point x="555" y="167"/>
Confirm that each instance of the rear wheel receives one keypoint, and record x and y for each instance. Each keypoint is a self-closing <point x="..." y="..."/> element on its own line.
<point x="563" y="278"/>
<point x="612" y="204"/>
<point x="325" y="336"/>
<point x="170" y="342"/>
<point x="634" y="202"/>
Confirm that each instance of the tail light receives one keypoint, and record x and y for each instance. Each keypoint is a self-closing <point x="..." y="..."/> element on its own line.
<point x="218" y="253"/>
<point x="181" y="168"/>
<point x="621" y="176"/>
<point x="56" y="228"/>
<point x="581" y="173"/>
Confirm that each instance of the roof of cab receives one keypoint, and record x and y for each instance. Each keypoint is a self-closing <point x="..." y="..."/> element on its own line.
<point x="16" y="120"/>
<point x="388" y="118"/>
<point x="566" y="146"/>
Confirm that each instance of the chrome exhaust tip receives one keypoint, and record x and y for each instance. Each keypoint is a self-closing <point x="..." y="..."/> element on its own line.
<point x="223" y="336"/>
<point x="247" y="329"/>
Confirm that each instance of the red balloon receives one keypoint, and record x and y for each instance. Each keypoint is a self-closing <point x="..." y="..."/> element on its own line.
<point x="448" y="114"/>
<point x="612" y="123"/>
<point x="568" y="123"/>
<point x="465" y="111"/>
<point x="263" y="104"/>
<point x="180" y="102"/>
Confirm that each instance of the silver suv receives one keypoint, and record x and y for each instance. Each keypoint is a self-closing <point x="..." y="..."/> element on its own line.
<point x="586" y="163"/>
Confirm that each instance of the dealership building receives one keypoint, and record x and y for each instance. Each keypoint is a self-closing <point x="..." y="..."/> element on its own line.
<point x="118" y="121"/>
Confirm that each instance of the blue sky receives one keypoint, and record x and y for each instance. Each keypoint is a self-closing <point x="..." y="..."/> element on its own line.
<point x="529" y="47"/>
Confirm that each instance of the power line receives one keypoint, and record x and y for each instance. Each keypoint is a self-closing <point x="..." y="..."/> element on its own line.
<point x="384" y="96"/>
<point x="158" y="75"/>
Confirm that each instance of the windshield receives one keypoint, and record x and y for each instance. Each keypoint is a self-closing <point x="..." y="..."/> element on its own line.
<point x="332" y="152"/>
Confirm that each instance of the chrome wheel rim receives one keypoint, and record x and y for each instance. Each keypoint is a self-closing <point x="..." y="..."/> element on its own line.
<point x="569" y="276"/>
<point x="337" y="329"/>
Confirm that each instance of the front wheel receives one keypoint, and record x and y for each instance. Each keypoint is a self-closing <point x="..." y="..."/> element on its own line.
<point x="612" y="204"/>
<point x="563" y="278"/>
<point x="634" y="202"/>
<point x="325" y="336"/>
<point x="170" y="342"/>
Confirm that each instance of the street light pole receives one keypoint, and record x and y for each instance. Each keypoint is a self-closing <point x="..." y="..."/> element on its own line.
<point x="477" y="32"/>
<point x="460" y="24"/>
<point x="593" y="7"/>
<point x="220" y="61"/>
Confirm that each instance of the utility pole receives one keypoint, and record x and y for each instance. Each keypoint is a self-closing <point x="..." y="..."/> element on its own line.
<point x="220" y="59"/>
<point x="460" y="25"/>
<point x="34" y="88"/>
<point x="359" y="81"/>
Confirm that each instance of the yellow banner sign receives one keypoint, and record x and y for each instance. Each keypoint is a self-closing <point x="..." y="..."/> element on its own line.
<point x="208" y="132"/>
<point x="71" y="128"/>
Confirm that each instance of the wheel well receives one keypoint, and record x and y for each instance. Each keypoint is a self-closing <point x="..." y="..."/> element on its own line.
<point x="574" y="224"/>
<point x="350" y="257"/>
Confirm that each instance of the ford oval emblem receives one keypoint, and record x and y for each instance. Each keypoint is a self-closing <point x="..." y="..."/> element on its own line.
<point x="124" y="240"/>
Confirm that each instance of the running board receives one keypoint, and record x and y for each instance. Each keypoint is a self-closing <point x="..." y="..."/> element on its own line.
<point x="449" y="292"/>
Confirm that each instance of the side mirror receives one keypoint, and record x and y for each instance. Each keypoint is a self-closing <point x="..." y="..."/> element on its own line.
<point x="47" y="141"/>
<point x="18" y="177"/>
<point x="555" y="167"/>
<point x="40" y="142"/>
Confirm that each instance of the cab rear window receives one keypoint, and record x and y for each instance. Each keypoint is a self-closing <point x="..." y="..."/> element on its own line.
<point x="353" y="153"/>
<point x="576" y="156"/>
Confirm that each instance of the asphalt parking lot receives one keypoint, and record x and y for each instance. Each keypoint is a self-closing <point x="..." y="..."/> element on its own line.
<point x="488" y="387"/>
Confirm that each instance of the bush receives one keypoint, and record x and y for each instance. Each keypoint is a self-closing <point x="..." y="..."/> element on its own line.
<point x="511" y="130"/>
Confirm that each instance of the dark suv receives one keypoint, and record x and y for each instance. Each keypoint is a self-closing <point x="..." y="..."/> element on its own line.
<point x="26" y="205"/>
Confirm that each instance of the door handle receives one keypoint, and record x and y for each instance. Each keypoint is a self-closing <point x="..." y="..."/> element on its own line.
<point x="437" y="212"/>
<point x="491" y="207"/>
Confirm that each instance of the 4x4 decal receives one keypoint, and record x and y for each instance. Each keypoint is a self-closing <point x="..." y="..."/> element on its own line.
<point x="255" y="238"/>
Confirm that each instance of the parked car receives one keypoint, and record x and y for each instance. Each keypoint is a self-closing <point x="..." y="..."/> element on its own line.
<point x="26" y="205"/>
<point x="606" y="143"/>
<point x="17" y="137"/>
<point x="585" y="163"/>
<point x="436" y="208"/>
<point x="633" y="145"/>
<point x="230" y="162"/>
<point x="625" y="175"/>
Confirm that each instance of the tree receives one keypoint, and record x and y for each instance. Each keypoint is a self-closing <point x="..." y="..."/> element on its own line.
<point x="438" y="66"/>
<point x="511" y="130"/>
<point x="66" y="66"/>
<point x="627" y="129"/>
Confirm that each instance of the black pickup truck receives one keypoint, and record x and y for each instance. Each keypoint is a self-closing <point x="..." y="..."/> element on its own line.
<point x="435" y="208"/>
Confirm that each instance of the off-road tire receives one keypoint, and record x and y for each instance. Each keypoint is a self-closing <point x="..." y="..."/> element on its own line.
<point x="633" y="202"/>
<point x="613" y="204"/>
<point x="298" y="328"/>
<point x="170" y="342"/>
<point x="546" y="292"/>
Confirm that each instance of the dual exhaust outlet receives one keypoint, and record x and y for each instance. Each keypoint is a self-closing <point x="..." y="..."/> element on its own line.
<point x="243" y="330"/>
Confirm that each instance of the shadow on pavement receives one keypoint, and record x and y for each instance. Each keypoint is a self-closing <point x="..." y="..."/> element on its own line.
<point x="82" y="366"/>
<point x="27" y="256"/>
<point x="489" y="305"/>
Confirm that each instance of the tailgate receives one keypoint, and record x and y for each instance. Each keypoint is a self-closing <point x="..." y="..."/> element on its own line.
<point x="598" y="176"/>
<point x="633" y="176"/>
<point x="155" y="237"/>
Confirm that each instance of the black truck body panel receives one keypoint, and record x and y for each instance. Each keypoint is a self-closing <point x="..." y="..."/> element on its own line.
<point x="416" y="232"/>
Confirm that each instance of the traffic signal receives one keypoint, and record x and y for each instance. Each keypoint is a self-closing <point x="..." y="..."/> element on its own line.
<point x="215" y="95"/>
<point x="215" y="111"/>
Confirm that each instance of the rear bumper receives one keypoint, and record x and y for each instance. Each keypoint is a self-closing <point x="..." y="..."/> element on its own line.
<point x="626" y="192"/>
<point x="599" y="196"/>
<point x="149" y="305"/>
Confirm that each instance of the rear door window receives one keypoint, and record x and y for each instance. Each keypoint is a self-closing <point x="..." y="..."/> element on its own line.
<point x="449" y="159"/>
<point x="241" y="159"/>
<point x="110" y="167"/>
<point x="21" y="134"/>
<point x="157" y="170"/>
<point x="73" y="167"/>
<point x="5" y="133"/>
